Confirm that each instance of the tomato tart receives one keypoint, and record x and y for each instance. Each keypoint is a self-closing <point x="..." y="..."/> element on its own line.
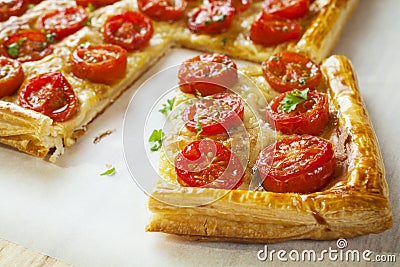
<point x="254" y="164"/>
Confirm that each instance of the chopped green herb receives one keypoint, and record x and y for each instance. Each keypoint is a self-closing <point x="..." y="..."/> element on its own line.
<point x="224" y="40"/>
<point x="167" y="107"/>
<point x="285" y="29"/>
<point x="13" y="50"/>
<point x="222" y="18"/>
<point x="91" y="7"/>
<point x="302" y="81"/>
<point x="156" y="139"/>
<point x="22" y="40"/>
<point x="110" y="171"/>
<point x="88" y="22"/>
<point x="199" y="128"/>
<point x="50" y="37"/>
<point x="209" y="21"/>
<point x="292" y="99"/>
<point x="30" y="6"/>
<point x="275" y="58"/>
<point x="85" y="45"/>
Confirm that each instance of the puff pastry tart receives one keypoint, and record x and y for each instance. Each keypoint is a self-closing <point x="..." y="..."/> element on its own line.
<point x="78" y="56"/>
<point x="302" y="164"/>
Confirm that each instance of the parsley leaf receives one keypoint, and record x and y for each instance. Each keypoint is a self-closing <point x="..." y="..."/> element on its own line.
<point x="292" y="99"/>
<point x="167" y="107"/>
<point x="199" y="128"/>
<point x="13" y="50"/>
<point x="50" y="37"/>
<point x="156" y="139"/>
<point x="91" y="7"/>
<point x="110" y="171"/>
<point x="224" y="40"/>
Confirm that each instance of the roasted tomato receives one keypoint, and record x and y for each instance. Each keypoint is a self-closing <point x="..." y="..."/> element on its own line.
<point x="289" y="70"/>
<point x="211" y="18"/>
<point x="10" y="8"/>
<point x="130" y="30"/>
<point x="215" y="114"/>
<point x="238" y="5"/>
<point x="63" y="22"/>
<point x="11" y="76"/>
<point x="28" y="45"/>
<point x="291" y="9"/>
<point x="95" y="3"/>
<point x="99" y="63"/>
<point x="298" y="164"/>
<point x="50" y="94"/>
<point x="270" y="30"/>
<point x="166" y="10"/>
<point x="207" y="74"/>
<point x="297" y="112"/>
<point x="209" y="164"/>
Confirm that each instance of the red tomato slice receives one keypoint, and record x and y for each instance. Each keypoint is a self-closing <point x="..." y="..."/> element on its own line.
<point x="299" y="164"/>
<point x="238" y="5"/>
<point x="211" y="18"/>
<point x="50" y="94"/>
<point x="28" y="45"/>
<point x="309" y="117"/>
<point x="99" y="63"/>
<point x="207" y="74"/>
<point x="130" y="30"/>
<point x="291" y="9"/>
<point x="95" y="3"/>
<point x="209" y="164"/>
<point x="64" y="22"/>
<point x="270" y="30"/>
<point x="214" y="115"/>
<point x="11" y="76"/>
<point x="166" y="10"/>
<point x="12" y="8"/>
<point x="289" y="70"/>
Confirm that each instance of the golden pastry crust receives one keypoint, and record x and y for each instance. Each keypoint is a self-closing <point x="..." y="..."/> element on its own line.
<point x="323" y="24"/>
<point x="356" y="203"/>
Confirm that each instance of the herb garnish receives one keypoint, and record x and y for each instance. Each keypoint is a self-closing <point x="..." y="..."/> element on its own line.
<point x="199" y="128"/>
<point x="167" y="107"/>
<point x="91" y="7"/>
<point x="50" y="37"/>
<point x="110" y="171"/>
<point x="292" y="99"/>
<point x="156" y="139"/>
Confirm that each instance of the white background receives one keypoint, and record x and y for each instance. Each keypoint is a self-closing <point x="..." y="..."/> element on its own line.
<point x="68" y="211"/>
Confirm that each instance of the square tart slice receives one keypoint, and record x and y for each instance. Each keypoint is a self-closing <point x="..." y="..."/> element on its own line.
<point x="354" y="203"/>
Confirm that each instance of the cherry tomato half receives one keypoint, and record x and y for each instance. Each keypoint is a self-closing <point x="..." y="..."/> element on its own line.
<point x="64" y="22"/>
<point x="99" y="63"/>
<point x="238" y="5"/>
<point x="50" y="94"/>
<point x="12" y="8"/>
<point x="298" y="164"/>
<point x="165" y="10"/>
<point x="95" y="3"/>
<point x="270" y="30"/>
<point x="309" y="117"/>
<point x="291" y="9"/>
<point x="28" y="45"/>
<point x="209" y="164"/>
<point x="211" y="18"/>
<point x="214" y="115"/>
<point x="286" y="71"/>
<point x="11" y="76"/>
<point x="207" y="74"/>
<point x="130" y="30"/>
